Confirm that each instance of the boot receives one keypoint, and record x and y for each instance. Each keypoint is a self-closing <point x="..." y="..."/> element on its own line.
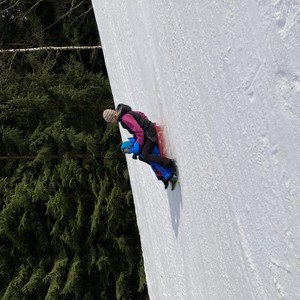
<point x="173" y="166"/>
<point x="173" y="181"/>
<point x="166" y="183"/>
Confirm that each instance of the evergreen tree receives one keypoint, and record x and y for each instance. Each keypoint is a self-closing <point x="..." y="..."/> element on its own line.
<point x="67" y="223"/>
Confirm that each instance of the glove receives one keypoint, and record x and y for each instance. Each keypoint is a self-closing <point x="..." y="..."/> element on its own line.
<point x="132" y="140"/>
<point x="125" y="147"/>
<point x="135" y="148"/>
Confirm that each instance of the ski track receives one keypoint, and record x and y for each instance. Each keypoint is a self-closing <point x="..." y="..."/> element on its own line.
<point x="223" y="79"/>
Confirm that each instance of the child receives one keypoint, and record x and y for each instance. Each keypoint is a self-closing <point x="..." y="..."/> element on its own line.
<point x="164" y="174"/>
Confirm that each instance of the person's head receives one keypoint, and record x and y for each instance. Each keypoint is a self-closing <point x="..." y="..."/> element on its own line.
<point x="110" y="116"/>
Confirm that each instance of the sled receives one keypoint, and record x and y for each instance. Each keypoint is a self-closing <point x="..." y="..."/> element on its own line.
<point x="161" y="139"/>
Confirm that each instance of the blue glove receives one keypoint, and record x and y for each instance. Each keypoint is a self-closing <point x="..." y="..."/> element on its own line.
<point x="125" y="147"/>
<point x="135" y="148"/>
<point x="131" y="140"/>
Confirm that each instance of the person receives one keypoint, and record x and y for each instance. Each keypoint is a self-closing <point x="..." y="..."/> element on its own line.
<point x="164" y="174"/>
<point x="143" y="131"/>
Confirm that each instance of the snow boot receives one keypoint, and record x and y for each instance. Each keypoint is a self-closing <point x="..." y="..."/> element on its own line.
<point x="173" y="166"/>
<point x="166" y="183"/>
<point x="173" y="181"/>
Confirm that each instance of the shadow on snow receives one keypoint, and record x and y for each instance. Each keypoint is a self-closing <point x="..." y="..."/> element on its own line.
<point x="175" y="203"/>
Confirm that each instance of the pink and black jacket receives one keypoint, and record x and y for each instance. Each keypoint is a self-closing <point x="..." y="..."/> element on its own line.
<point x="137" y="124"/>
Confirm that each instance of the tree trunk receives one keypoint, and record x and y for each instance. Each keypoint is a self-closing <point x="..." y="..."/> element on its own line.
<point x="50" y="48"/>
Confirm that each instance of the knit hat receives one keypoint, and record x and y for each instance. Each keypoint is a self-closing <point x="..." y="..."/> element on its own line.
<point x="109" y="114"/>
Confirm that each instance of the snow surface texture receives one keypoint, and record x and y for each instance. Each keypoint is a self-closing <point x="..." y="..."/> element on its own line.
<point x="223" y="77"/>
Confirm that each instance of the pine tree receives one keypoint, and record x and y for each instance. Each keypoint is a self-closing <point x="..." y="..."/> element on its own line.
<point x="67" y="220"/>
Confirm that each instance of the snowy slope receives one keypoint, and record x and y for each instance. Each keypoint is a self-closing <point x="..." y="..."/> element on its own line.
<point x="223" y="77"/>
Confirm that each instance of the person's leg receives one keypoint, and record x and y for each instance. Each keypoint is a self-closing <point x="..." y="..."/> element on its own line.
<point x="149" y="157"/>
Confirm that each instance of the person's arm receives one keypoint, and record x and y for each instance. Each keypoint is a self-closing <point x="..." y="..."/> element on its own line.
<point x="130" y="121"/>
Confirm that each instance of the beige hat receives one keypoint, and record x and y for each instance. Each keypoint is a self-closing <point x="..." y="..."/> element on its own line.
<point x="109" y="114"/>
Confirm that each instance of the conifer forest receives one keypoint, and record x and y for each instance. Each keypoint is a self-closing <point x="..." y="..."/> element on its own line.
<point x="67" y="221"/>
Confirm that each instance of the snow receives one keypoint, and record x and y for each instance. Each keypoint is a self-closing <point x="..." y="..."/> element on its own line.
<point x="223" y="78"/>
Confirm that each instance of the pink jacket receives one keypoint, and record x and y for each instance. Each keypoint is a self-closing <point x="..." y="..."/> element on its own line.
<point x="129" y="121"/>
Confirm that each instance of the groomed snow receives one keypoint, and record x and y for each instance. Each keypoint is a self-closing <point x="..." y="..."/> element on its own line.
<point x="223" y="77"/>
